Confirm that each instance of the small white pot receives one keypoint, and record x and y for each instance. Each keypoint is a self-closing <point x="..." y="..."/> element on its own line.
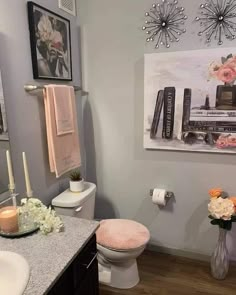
<point x="77" y="186"/>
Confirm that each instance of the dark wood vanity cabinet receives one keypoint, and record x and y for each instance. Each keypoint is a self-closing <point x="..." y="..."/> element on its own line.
<point x="81" y="277"/>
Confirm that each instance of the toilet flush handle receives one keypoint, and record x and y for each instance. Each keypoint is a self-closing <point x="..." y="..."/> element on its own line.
<point x="79" y="209"/>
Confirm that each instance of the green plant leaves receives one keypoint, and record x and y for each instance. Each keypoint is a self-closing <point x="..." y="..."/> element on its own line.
<point x="225" y="224"/>
<point x="75" y="176"/>
<point x="224" y="60"/>
<point x="215" y="221"/>
<point x="233" y="218"/>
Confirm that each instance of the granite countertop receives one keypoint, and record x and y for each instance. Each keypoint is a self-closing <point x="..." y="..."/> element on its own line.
<point x="49" y="255"/>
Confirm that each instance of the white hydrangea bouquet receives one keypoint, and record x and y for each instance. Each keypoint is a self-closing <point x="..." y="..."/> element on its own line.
<point x="222" y="208"/>
<point x="38" y="213"/>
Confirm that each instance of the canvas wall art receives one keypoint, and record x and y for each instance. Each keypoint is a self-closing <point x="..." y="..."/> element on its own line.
<point x="50" y="40"/>
<point x="190" y="101"/>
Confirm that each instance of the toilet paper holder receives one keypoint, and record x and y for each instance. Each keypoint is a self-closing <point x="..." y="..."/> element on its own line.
<point x="168" y="194"/>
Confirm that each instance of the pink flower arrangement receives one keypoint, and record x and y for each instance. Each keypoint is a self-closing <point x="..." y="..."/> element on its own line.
<point x="222" y="208"/>
<point x="224" y="71"/>
<point x="226" y="141"/>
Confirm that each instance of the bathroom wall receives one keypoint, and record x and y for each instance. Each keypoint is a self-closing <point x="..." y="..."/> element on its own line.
<point x="4" y="146"/>
<point x="26" y="117"/>
<point x="114" y="46"/>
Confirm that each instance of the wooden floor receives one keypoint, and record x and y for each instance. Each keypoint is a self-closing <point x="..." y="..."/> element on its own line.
<point x="163" y="274"/>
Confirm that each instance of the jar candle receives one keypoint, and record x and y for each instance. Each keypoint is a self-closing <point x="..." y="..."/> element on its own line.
<point x="9" y="219"/>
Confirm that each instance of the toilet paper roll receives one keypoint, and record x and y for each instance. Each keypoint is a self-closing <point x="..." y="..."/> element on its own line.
<point x="158" y="197"/>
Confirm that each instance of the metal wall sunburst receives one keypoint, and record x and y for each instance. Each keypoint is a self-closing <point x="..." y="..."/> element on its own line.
<point x="217" y="19"/>
<point x="165" y="23"/>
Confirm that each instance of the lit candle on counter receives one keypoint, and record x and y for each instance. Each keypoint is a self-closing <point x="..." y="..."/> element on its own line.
<point x="29" y="191"/>
<point x="10" y="172"/>
<point x="9" y="219"/>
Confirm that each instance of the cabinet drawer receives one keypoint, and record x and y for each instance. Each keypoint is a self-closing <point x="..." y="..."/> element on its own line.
<point x="84" y="262"/>
<point x="81" y="277"/>
<point x="89" y="286"/>
<point x="64" y="285"/>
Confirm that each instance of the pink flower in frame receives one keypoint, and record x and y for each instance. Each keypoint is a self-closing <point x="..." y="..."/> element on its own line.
<point x="224" y="71"/>
<point x="226" y="74"/>
<point x="214" y="68"/>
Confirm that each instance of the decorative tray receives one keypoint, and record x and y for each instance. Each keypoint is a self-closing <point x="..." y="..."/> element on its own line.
<point x="23" y="231"/>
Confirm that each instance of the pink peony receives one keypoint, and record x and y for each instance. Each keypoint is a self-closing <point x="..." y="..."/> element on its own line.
<point x="214" y="68"/>
<point x="231" y="62"/>
<point x="226" y="74"/>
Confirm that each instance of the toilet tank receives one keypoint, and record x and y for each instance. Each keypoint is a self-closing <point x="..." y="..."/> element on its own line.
<point x="80" y="205"/>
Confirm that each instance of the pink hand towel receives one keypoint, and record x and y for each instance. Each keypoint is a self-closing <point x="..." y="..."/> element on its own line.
<point x="64" y="149"/>
<point x="63" y="109"/>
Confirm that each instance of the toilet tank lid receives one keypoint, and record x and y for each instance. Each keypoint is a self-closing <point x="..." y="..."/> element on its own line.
<point x="69" y="199"/>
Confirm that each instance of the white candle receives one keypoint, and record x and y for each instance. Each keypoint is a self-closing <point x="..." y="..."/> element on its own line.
<point x="29" y="191"/>
<point x="10" y="172"/>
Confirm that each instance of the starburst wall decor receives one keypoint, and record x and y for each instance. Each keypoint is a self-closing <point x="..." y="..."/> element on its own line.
<point x="218" y="20"/>
<point x="165" y="23"/>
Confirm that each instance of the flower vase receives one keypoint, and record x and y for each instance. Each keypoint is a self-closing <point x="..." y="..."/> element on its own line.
<point x="220" y="257"/>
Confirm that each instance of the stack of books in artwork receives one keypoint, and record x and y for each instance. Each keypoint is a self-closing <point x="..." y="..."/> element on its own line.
<point x="175" y="118"/>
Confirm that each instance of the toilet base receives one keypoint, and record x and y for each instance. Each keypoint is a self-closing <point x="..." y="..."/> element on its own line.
<point x="120" y="275"/>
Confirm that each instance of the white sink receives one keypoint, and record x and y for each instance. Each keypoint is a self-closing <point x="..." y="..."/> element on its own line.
<point x="14" y="273"/>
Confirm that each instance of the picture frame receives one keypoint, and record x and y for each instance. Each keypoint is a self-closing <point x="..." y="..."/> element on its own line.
<point x="190" y="101"/>
<point x="50" y="41"/>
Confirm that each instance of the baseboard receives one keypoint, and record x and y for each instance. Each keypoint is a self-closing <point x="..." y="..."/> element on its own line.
<point x="178" y="252"/>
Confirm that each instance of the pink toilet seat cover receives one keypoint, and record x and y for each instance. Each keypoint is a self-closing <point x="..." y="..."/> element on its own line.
<point x="122" y="234"/>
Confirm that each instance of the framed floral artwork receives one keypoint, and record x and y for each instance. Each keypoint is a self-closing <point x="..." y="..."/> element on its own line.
<point x="50" y="39"/>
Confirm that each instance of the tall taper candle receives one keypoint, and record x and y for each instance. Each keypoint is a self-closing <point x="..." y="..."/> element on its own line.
<point x="29" y="191"/>
<point x="10" y="172"/>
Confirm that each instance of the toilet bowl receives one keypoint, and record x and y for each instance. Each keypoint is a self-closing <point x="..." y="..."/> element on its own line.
<point x="118" y="268"/>
<point x="119" y="241"/>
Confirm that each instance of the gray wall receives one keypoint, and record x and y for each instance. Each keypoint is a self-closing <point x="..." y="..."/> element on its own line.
<point x="113" y="61"/>
<point x="4" y="146"/>
<point x="26" y="117"/>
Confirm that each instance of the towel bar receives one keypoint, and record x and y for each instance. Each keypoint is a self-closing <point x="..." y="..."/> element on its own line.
<point x="30" y="88"/>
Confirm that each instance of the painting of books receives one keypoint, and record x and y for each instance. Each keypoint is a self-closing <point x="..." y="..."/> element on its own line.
<point x="190" y="100"/>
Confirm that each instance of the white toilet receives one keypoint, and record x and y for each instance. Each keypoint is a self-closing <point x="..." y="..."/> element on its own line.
<point x="119" y="241"/>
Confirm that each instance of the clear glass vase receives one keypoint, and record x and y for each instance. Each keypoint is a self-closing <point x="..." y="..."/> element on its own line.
<point x="220" y="257"/>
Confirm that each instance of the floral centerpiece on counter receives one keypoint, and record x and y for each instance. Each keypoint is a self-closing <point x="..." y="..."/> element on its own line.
<point x="38" y="213"/>
<point x="222" y="210"/>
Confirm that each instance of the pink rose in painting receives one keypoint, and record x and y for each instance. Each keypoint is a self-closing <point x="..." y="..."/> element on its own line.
<point x="226" y="74"/>
<point x="57" y="41"/>
<point x="231" y="63"/>
<point x="214" y="68"/>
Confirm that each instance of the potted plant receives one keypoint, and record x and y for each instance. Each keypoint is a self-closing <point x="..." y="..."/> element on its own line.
<point x="222" y="210"/>
<point x="76" y="182"/>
